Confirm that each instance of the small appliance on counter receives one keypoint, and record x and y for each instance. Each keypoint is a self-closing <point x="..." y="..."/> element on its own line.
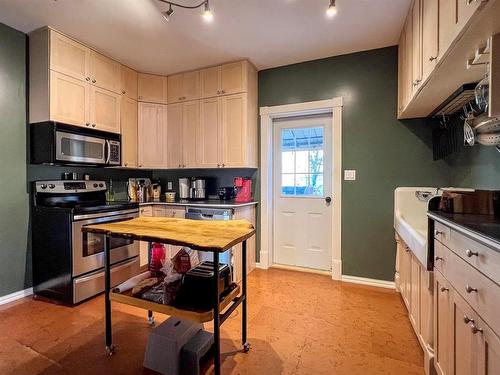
<point x="170" y="196"/>
<point x="197" y="190"/>
<point x="156" y="189"/>
<point x="183" y="188"/>
<point x="243" y="187"/>
<point x="140" y="190"/>
<point x="227" y="193"/>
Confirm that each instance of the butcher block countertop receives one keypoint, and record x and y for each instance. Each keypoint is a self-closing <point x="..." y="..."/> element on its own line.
<point x="204" y="235"/>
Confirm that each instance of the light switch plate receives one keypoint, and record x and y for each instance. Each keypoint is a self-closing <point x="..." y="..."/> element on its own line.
<point x="349" y="175"/>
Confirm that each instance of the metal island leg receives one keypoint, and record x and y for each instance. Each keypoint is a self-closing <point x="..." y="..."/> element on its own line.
<point x="216" y="315"/>
<point x="107" y="302"/>
<point x="244" y="342"/>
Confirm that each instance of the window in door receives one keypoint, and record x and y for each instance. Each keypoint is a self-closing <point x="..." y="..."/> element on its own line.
<point x="302" y="162"/>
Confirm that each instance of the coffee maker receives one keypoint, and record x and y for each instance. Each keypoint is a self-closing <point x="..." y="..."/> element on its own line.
<point x="192" y="189"/>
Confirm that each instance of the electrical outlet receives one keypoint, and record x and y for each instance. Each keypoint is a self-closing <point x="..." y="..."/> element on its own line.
<point x="169" y="185"/>
<point x="349" y="175"/>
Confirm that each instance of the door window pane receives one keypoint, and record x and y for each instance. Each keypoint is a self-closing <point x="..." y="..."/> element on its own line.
<point x="302" y="161"/>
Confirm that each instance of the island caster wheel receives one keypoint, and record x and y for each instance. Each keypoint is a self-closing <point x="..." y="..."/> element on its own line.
<point x="246" y="347"/>
<point x="110" y="350"/>
<point x="151" y="321"/>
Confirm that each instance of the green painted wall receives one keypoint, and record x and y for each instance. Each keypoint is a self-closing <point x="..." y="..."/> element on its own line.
<point x="386" y="153"/>
<point x="14" y="197"/>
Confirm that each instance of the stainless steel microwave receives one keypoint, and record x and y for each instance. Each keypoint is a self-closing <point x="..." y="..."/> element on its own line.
<point x="61" y="144"/>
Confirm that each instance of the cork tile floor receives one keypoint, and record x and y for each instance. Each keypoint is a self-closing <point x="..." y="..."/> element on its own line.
<point x="298" y="324"/>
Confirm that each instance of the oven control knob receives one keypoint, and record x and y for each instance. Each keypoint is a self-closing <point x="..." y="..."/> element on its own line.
<point x="95" y="185"/>
<point x="52" y="186"/>
<point x="43" y="186"/>
<point x="101" y="185"/>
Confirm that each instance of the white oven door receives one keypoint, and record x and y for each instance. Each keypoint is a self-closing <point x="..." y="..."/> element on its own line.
<point x="88" y="248"/>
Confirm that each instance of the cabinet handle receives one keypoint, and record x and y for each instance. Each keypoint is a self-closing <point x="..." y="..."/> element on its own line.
<point x="438" y="233"/>
<point x="223" y="91"/>
<point x="218" y="165"/>
<point x="432" y="58"/>
<point x="93" y="81"/>
<point x="87" y="124"/>
<point x="93" y="125"/>
<point x="87" y="79"/>
<point x="470" y="289"/>
<point x="436" y="258"/>
<point x="126" y="164"/>
<point x="140" y="165"/>
<point x="468" y="320"/>
<point x="123" y="92"/>
<point x="471" y="253"/>
<point x="218" y="92"/>
<point x="223" y="165"/>
<point x="475" y="329"/>
<point x="443" y="289"/>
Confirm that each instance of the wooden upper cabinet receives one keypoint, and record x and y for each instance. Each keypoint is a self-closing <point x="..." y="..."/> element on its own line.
<point x="105" y="72"/>
<point x="208" y="134"/>
<point x="447" y="24"/>
<point x="190" y="126"/>
<point x="234" y="78"/>
<point x="129" y="82"/>
<point x="174" y="135"/>
<point x="69" y="57"/>
<point x="105" y="109"/>
<point x="69" y="100"/>
<point x="234" y="130"/>
<point x="151" y="135"/>
<point x="152" y="88"/>
<point x="430" y="37"/>
<point x="210" y="82"/>
<point x="184" y="87"/>
<point x="465" y="10"/>
<point x="128" y="123"/>
<point x="416" y="46"/>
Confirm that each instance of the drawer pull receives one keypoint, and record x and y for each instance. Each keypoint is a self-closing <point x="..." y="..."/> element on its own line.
<point x="471" y="253"/>
<point x="438" y="258"/>
<point x="470" y="289"/>
<point x="468" y="320"/>
<point x="443" y="289"/>
<point x="475" y="329"/>
<point x="438" y="233"/>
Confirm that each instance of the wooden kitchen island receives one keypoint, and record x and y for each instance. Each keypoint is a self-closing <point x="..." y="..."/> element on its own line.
<point x="213" y="236"/>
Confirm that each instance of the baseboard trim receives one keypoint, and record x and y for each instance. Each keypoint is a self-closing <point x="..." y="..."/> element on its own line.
<point x="260" y="266"/>
<point x="15" y="296"/>
<point x="366" y="281"/>
<point x="301" y="269"/>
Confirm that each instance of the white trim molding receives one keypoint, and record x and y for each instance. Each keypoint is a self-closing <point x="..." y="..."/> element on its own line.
<point x="371" y="282"/>
<point x="15" y="296"/>
<point x="267" y="115"/>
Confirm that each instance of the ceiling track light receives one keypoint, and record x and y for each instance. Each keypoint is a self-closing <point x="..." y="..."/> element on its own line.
<point x="207" y="14"/>
<point x="332" y="9"/>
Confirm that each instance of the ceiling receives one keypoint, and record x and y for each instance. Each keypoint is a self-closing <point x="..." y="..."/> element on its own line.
<point x="268" y="32"/>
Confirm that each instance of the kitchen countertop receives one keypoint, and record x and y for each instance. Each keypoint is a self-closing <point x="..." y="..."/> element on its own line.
<point x="209" y="203"/>
<point x="484" y="228"/>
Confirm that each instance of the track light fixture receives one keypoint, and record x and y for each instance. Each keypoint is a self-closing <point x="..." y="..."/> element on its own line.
<point x="207" y="14"/>
<point x="332" y="9"/>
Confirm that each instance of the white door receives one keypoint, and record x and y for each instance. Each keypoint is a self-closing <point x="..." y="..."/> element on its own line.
<point x="303" y="191"/>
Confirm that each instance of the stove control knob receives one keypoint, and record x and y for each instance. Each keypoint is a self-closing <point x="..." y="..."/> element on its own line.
<point x="52" y="186"/>
<point x="95" y="185"/>
<point x="43" y="186"/>
<point x="101" y="185"/>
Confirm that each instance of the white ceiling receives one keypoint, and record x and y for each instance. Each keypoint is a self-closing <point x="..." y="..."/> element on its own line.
<point x="268" y="32"/>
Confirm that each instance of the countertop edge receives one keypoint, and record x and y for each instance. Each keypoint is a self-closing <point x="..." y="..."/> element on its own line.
<point x="475" y="235"/>
<point x="194" y="204"/>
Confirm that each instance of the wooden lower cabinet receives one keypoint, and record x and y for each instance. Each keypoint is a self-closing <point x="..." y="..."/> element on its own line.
<point x="415" y="293"/>
<point x="442" y="325"/>
<point x="247" y="213"/>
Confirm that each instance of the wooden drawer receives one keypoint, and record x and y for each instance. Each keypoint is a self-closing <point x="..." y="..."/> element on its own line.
<point x="146" y="211"/>
<point x="481" y="293"/>
<point x="158" y="211"/>
<point x="442" y="233"/>
<point x="175" y="211"/>
<point x="480" y="256"/>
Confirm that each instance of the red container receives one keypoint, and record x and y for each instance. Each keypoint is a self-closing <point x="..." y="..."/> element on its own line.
<point x="158" y="254"/>
<point x="244" y="189"/>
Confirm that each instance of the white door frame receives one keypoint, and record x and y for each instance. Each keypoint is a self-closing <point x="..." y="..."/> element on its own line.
<point x="267" y="115"/>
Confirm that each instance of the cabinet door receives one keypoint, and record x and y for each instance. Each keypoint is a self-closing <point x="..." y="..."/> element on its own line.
<point x="105" y="72"/>
<point x="488" y="351"/>
<point x="129" y="82"/>
<point x="174" y="135"/>
<point x="233" y="78"/>
<point x="69" y="57"/>
<point x="416" y="46"/>
<point x="430" y="27"/>
<point x="151" y="135"/>
<point x="69" y="100"/>
<point x="447" y="24"/>
<point x="208" y="134"/>
<point x="175" y="88"/>
<point x="129" y="132"/>
<point x="191" y="123"/>
<point x="401" y="67"/>
<point x="152" y="88"/>
<point x="443" y="354"/>
<point x="234" y="129"/>
<point x="406" y="277"/>
<point x="465" y="11"/>
<point x="191" y="88"/>
<point x="415" y="294"/>
<point x="408" y="59"/>
<point x="105" y="109"/>
<point x="465" y="342"/>
<point x="210" y="82"/>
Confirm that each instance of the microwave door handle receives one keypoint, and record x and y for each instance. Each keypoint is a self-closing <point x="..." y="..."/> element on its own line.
<point x="108" y="146"/>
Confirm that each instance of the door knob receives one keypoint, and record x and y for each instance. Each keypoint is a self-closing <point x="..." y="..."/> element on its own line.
<point x="328" y="199"/>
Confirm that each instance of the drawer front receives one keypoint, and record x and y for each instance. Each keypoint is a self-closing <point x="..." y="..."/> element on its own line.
<point x="442" y="233"/>
<point x="479" y="291"/>
<point x="477" y="255"/>
<point x="175" y="211"/>
<point x="146" y="211"/>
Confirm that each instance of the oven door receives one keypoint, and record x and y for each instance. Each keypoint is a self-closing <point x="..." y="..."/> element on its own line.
<point x="78" y="148"/>
<point x="88" y="248"/>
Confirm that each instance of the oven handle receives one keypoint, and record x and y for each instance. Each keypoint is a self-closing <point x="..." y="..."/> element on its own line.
<point x="106" y="214"/>
<point x="105" y="219"/>
<point x="108" y="151"/>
